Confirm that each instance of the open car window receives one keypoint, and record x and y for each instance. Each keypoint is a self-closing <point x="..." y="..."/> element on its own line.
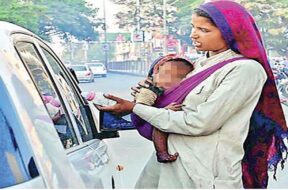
<point x="72" y="93"/>
<point x="54" y="105"/>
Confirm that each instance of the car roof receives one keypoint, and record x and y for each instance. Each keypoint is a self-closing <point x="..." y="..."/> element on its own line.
<point x="77" y="65"/>
<point x="10" y="28"/>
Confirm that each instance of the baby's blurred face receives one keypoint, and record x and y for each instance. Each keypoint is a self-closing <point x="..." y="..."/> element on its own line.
<point x="171" y="73"/>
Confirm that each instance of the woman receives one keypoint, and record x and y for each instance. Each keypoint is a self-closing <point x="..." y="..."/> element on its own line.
<point x="237" y="97"/>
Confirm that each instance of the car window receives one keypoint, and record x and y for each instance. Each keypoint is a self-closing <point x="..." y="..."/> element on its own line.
<point x="74" y="98"/>
<point x="16" y="157"/>
<point x="55" y="108"/>
<point x="79" y="68"/>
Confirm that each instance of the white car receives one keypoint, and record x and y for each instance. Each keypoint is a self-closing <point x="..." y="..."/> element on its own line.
<point x="50" y="136"/>
<point x="83" y="72"/>
<point x="98" y="69"/>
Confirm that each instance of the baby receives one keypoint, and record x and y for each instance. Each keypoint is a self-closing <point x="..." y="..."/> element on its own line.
<point x="165" y="75"/>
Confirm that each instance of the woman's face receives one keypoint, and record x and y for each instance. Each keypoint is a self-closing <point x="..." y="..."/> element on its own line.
<point x="206" y="36"/>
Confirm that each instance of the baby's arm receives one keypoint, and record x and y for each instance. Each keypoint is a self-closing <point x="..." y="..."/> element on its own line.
<point x="174" y="106"/>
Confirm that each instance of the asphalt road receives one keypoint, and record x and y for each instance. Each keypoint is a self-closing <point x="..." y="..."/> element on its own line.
<point x="131" y="150"/>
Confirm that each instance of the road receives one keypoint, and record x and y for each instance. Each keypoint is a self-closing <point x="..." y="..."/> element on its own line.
<point x="131" y="150"/>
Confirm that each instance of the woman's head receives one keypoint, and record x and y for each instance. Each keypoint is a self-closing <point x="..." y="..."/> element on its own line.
<point x="240" y="33"/>
<point x="205" y="34"/>
<point x="236" y="26"/>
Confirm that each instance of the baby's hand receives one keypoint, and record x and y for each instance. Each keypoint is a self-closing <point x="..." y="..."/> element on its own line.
<point x="142" y="84"/>
<point x="174" y="106"/>
<point x="145" y="96"/>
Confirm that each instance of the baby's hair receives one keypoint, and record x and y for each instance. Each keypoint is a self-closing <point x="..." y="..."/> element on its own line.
<point x="200" y="12"/>
<point x="187" y="63"/>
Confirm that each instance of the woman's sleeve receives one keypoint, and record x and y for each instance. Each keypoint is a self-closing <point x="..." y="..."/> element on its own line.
<point x="240" y="86"/>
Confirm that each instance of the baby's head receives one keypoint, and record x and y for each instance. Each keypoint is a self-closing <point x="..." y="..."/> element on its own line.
<point x="170" y="73"/>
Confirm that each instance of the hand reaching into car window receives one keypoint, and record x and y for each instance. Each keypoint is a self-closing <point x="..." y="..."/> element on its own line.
<point x="121" y="108"/>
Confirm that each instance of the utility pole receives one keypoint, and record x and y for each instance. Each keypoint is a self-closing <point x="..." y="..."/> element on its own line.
<point x="138" y="15"/>
<point x="138" y="32"/>
<point x="105" y="47"/>
<point x="164" y="28"/>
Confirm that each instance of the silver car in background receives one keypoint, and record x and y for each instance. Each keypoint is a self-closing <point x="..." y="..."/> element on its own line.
<point x="83" y="72"/>
<point x="98" y="69"/>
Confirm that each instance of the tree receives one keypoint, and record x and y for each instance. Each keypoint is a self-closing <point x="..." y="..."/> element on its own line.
<point x="149" y="15"/>
<point x="68" y="19"/>
<point x="184" y="12"/>
<point x="272" y="19"/>
<point x="25" y="14"/>
<point x="65" y="18"/>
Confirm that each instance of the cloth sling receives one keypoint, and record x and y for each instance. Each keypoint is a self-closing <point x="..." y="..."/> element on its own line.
<point x="177" y="94"/>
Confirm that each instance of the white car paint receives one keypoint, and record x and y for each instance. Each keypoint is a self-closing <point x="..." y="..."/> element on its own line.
<point x="33" y="134"/>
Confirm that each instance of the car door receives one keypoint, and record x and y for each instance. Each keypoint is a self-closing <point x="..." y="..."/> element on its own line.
<point x="17" y="165"/>
<point x="69" y="114"/>
<point x="31" y="156"/>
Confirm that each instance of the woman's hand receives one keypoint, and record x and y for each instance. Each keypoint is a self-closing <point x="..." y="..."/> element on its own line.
<point x="144" y="83"/>
<point x="121" y="108"/>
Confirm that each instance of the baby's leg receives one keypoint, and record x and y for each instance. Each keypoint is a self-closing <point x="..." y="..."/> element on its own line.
<point x="160" y="142"/>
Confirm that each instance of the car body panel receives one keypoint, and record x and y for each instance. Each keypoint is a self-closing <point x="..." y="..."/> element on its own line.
<point x="35" y="183"/>
<point x="89" y="164"/>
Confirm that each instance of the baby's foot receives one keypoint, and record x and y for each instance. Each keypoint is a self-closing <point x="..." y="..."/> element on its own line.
<point x="165" y="157"/>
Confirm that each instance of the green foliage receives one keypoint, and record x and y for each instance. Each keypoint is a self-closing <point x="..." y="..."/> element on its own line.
<point x="68" y="18"/>
<point x="178" y="16"/>
<point x="149" y="15"/>
<point x="65" y="18"/>
<point x="184" y="12"/>
<point x="25" y="14"/>
<point x="272" y="19"/>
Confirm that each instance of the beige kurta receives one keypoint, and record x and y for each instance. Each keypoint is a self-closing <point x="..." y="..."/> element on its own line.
<point x="210" y="131"/>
